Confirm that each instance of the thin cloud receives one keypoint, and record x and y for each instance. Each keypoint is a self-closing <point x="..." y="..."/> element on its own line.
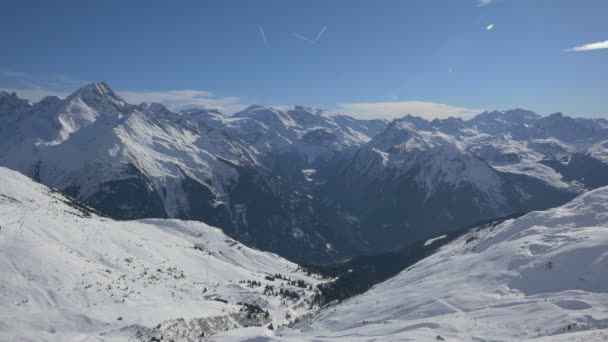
<point x="484" y="2"/>
<point x="590" y="47"/>
<point x="312" y="42"/>
<point x="263" y="35"/>
<point x="5" y="73"/>
<point x="13" y="79"/>
<point x="175" y="99"/>
<point x="390" y="110"/>
<point x="35" y="87"/>
<point x="184" y="99"/>
<point x="321" y="33"/>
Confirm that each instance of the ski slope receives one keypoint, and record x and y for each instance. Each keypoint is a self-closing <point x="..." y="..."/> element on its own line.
<point x="67" y="274"/>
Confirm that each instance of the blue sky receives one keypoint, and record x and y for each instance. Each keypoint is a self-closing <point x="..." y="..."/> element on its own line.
<point x="373" y="59"/>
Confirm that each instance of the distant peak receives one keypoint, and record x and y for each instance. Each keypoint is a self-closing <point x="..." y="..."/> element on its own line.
<point x="98" y="92"/>
<point x="6" y="95"/>
<point x="97" y="88"/>
<point x="11" y="100"/>
<point x="152" y="106"/>
<point x="192" y="111"/>
<point x="49" y="100"/>
<point x="253" y="107"/>
<point x="513" y="116"/>
<point x="411" y="117"/>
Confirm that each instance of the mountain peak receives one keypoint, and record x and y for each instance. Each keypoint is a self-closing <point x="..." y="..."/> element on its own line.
<point x="98" y="92"/>
<point x="97" y="87"/>
<point x="252" y="107"/>
<point x="11" y="102"/>
<point x="6" y="94"/>
<point x="499" y="120"/>
<point x="556" y="115"/>
<point x="192" y="111"/>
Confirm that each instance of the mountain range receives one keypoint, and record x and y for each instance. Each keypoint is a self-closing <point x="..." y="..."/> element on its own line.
<point x="310" y="185"/>
<point x="135" y="222"/>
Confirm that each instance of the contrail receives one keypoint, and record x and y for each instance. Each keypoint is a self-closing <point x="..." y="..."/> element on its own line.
<point x="321" y="33"/>
<point x="305" y="39"/>
<point x="263" y="35"/>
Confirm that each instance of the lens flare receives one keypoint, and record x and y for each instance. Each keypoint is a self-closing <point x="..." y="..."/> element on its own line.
<point x="490" y="27"/>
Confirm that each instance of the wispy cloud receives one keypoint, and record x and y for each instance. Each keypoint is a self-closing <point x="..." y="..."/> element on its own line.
<point x="173" y="99"/>
<point x="321" y="33"/>
<point x="484" y="2"/>
<point x="263" y="35"/>
<point x="390" y="110"/>
<point x="312" y="42"/>
<point x="27" y="81"/>
<point x="590" y="47"/>
<point x="35" y="87"/>
<point x="183" y="99"/>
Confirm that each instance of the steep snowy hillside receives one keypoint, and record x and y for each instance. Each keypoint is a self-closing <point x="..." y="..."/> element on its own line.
<point x="540" y="275"/>
<point x="68" y="274"/>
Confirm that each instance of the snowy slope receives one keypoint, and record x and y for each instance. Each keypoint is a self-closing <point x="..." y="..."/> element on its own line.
<point x="541" y="275"/>
<point x="67" y="274"/>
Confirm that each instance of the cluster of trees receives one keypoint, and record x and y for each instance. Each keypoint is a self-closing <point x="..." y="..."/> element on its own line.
<point x="269" y="291"/>
<point x="281" y="276"/>
<point x="289" y="294"/>
<point x="250" y="283"/>
<point x="301" y="284"/>
<point x="253" y="309"/>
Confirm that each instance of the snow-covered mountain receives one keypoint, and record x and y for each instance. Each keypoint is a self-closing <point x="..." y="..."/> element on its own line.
<point x="540" y="277"/>
<point x="300" y="181"/>
<point x="523" y="143"/>
<point x="68" y="274"/>
<point x="501" y="121"/>
<point x="141" y="161"/>
<point x="408" y="184"/>
<point x="312" y="132"/>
